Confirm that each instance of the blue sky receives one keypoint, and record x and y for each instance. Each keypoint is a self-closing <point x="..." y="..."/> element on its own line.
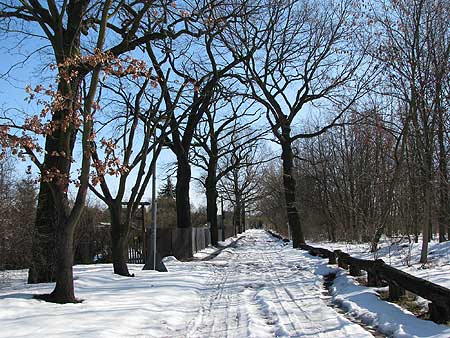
<point x="13" y="99"/>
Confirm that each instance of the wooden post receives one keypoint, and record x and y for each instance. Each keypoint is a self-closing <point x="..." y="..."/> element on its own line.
<point x="439" y="313"/>
<point x="373" y="280"/>
<point x="354" y="270"/>
<point x="332" y="258"/>
<point x="395" y="291"/>
<point x="341" y="260"/>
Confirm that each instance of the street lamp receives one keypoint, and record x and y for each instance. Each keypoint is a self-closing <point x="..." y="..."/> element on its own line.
<point x="153" y="262"/>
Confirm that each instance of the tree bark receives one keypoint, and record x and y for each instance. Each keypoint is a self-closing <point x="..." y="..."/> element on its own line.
<point x="237" y="216"/>
<point x="289" y="185"/>
<point x="43" y="255"/>
<point x="211" y="206"/>
<point x="42" y="265"/>
<point x="64" y="289"/>
<point x="119" y="241"/>
<point x="376" y="238"/>
<point x="331" y="233"/>
<point x="63" y="273"/>
<point x="182" y="192"/>
<point x="243" y="224"/>
<point x="426" y="222"/>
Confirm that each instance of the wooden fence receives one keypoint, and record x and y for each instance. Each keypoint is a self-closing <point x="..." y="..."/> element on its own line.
<point x="380" y="274"/>
<point x="183" y="243"/>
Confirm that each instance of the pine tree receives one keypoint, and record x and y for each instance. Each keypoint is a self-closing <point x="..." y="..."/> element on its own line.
<point x="167" y="210"/>
<point x="167" y="190"/>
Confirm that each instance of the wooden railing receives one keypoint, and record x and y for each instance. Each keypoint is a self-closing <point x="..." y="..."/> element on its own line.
<point x="380" y="274"/>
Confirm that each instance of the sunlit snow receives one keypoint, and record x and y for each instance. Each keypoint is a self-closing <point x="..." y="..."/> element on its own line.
<point x="259" y="288"/>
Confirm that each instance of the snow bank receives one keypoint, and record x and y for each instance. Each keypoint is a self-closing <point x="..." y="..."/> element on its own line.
<point x="259" y="288"/>
<point x="151" y="304"/>
<point x="364" y="303"/>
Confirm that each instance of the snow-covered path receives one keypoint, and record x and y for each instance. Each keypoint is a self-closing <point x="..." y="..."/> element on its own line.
<point x="257" y="288"/>
<point x="260" y="289"/>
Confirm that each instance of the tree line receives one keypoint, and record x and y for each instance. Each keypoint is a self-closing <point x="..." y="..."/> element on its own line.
<point x="383" y="169"/>
<point x="353" y="93"/>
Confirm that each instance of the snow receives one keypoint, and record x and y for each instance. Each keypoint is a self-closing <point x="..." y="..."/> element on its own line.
<point x="392" y="320"/>
<point x="364" y="303"/>
<point x="259" y="287"/>
<point x="403" y="254"/>
<point x="263" y="289"/>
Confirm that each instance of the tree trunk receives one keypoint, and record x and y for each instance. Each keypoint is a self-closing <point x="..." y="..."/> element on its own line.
<point x="331" y="231"/>
<point x="237" y="217"/>
<point x="42" y="265"/>
<point x="43" y="252"/>
<point x="289" y="185"/>
<point x="376" y="238"/>
<point x="243" y="217"/>
<point x="444" y="212"/>
<point x="416" y="218"/>
<point x="119" y="241"/>
<point x="61" y="141"/>
<point x="64" y="289"/>
<point x="182" y="192"/>
<point x="426" y="223"/>
<point x="63" y="273"/>
<point x="211" y="207"/>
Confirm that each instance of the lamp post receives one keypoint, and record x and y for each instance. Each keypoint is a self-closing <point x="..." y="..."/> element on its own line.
<point x="154" y="209"/>
<point x="223" y="218"/>
<point x="153" y="260"/>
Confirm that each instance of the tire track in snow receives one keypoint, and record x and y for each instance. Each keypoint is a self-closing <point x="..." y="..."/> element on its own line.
<point x="221" y="313"/>
<point x="211" y="296"/>
<point x="300" y="322"/>
<point x="291" y="325"/>
<point x="264" y="291"/>
<point x="305" y="319"/>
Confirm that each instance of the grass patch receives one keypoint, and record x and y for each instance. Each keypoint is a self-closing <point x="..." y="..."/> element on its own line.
<point x="408" y="302"/>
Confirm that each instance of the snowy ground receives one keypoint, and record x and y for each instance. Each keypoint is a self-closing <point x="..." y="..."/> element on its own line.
<point x="403" y="254"/>
<point x="259" y="288"/>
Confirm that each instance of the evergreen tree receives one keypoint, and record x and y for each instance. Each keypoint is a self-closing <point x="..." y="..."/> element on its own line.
<point x="167" y="211"/>
<point x="167" y="190"/>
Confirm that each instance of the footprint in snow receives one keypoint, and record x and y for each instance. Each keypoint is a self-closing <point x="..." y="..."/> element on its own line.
<point x="254" y="285"/>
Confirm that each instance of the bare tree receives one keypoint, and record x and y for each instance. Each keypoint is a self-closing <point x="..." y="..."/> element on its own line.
<point x="271" y="204"/>
<point x="79" y="63"/>
<point x="415" y="48"/>
<point x="217" y="138"/>
<point x="195" y="67"/>
<point x="241" y="167"/>
<point x="356" y="171"/>
<point x="129" y="150"/>
<point x="309" y="56"/>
